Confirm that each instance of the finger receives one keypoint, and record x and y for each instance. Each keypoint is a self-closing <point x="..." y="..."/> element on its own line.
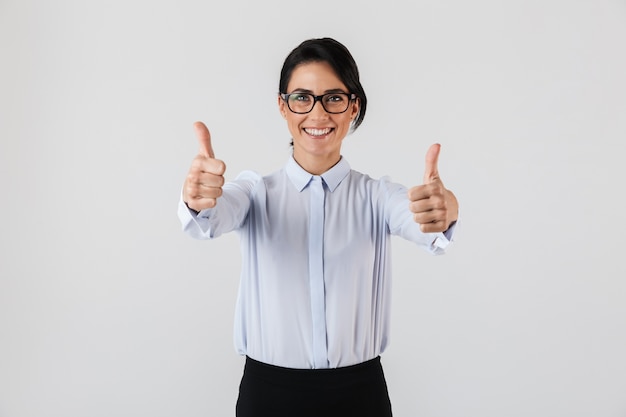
<point x="210" y="192"/>
<point x="204" y="139"/>
<point x="418" y="192"/>
<point x="431" y="171"/>
<point x="421" y="206"/>
<point x="206" y="179"/>
<point x="205" y="192"/>
<point x="433" y="227"/>
<point x="196" y="180"/>
<point x="195" y="192"/>
<point x="421" y="192"/>
<point x="208" y="165"/>
<point x="428" y="217"/>
<point x="200" y="204"/>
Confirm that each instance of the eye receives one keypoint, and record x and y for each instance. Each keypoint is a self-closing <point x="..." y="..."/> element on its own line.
<point x="335" y="98"/>
<point x="300" y="97"/>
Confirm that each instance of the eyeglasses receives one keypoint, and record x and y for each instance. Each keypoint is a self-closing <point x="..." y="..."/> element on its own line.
<point x="302" y="103"/>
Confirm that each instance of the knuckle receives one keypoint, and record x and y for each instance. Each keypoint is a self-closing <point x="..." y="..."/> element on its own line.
<point x="435" y="188"/>
<point x="197" y="163"/>
<point x="193" y="177"/>
<point x="217" y="167"/>
<point x="190" y="191"/>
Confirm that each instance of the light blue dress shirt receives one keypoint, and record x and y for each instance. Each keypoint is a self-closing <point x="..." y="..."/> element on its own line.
<point x="315" y="288"/>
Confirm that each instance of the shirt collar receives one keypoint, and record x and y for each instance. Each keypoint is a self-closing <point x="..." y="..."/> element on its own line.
<point x="333" y="177"/>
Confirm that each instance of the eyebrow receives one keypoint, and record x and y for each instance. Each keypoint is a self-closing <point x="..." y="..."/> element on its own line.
<point x="333" y="90"/>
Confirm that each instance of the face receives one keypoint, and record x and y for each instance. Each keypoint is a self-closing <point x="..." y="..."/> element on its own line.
<point x="317" y="136"/>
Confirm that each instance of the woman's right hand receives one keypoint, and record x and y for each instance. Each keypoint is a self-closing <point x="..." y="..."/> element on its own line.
<point x="203" y="185"/>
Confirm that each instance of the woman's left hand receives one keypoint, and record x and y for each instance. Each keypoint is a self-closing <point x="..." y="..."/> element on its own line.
<point x="433" y="206"/>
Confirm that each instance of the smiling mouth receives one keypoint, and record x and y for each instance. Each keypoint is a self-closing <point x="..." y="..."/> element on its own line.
<point x="318" y="132"/>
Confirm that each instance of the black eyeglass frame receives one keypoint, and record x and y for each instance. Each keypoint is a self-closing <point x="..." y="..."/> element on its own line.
<point x="351" y="98"/>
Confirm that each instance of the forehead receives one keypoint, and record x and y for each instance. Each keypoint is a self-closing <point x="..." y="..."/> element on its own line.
<point x="316" y="77"/>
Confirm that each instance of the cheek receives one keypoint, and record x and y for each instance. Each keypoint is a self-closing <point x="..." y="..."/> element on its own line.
<point x="345" y="122"/>
<point x="293" y="124"/>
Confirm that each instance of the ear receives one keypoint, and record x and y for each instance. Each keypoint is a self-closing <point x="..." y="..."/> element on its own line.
<point x="281" y="107"/>
<point x="354" y="108"/>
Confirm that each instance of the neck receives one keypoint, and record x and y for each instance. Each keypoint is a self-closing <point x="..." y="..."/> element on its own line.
<point x="316" y="165"/>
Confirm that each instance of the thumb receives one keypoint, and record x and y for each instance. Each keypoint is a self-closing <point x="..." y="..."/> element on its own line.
<point x="204" y="139"/>
<point x="431" y="172"/>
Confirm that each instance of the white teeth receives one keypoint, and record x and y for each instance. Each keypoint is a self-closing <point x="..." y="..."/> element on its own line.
<point x="318" y="132"/>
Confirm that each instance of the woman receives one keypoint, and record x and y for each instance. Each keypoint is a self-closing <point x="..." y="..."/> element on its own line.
<point x="313" y="307"/>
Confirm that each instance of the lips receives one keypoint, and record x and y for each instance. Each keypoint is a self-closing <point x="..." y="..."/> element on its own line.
<point x="318" y="132"/>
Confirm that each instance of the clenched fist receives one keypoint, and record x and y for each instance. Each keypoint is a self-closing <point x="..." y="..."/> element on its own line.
<point x="203" y="185"/>
<point x="433" y="206"/>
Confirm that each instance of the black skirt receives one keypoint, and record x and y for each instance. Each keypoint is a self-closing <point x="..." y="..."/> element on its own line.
<point x="273" y="391"/>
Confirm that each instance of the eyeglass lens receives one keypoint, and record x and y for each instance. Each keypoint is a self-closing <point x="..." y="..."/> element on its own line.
<point x="332" y="102"/>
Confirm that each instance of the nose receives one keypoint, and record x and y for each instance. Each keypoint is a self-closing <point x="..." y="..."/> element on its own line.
<point x="318" y="109"/>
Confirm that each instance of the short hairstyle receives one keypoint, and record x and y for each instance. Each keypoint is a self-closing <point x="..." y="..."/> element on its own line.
<point x="338" y="57"/>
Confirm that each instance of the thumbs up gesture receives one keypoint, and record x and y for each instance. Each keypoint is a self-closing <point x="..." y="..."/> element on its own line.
<point x="433" y="206"/>
<point x="203" y="185"/>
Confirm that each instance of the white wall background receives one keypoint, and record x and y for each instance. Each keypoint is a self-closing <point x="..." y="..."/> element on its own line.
<point x="108" y="309"/>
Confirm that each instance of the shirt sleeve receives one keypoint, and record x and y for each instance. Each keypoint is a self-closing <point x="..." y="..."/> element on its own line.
<point x="229" y="213"/>
<point x="401" y="223"/>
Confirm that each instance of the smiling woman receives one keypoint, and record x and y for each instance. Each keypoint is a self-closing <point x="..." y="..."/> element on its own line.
<point x="317" y="133"/>
<point x="313" y="309"/>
